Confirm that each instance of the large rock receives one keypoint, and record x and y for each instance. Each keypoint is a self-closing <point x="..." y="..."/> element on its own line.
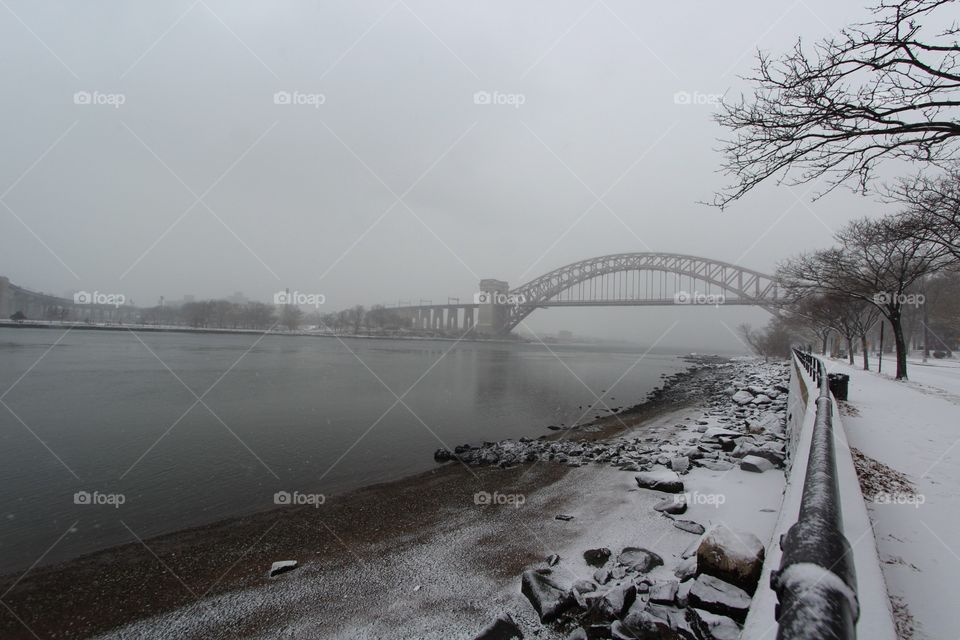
<point x="733" y="556"/>
<point x="755" y="464"/>
<point x="611" y="604"/>
<point x="689" y="526"/>
<point x="711" y="625"/>
<point x="639" y="559"/>
<point x="503" y="628"/>
<point x="667" y="481"/>
<point x="548" y="597"/>
<point x="716" y="596"/>
<point x="597" y="557"/>
<point x="675" y="504"/>
<point x="742" y="397"/>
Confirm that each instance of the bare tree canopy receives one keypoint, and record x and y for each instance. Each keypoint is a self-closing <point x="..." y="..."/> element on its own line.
<point x="888" y="88"/>
<point x="931" y="207"/>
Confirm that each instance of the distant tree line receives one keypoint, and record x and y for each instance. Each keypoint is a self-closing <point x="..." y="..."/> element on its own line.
<point x="223" y="314"/>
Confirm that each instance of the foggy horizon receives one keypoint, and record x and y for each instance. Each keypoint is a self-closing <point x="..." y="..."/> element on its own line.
<point x="392" y="179"/>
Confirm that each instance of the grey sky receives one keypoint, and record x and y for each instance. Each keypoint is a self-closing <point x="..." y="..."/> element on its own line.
<point x="297" y="194"/>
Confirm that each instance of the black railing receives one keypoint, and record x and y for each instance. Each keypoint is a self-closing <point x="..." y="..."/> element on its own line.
<point x="816" y="583"/>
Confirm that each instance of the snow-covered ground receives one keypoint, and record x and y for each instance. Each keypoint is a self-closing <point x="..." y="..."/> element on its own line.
<point x="914" y="428"/>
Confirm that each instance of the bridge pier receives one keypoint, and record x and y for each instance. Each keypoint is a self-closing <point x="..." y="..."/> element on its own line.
<point x="492" y="317"/>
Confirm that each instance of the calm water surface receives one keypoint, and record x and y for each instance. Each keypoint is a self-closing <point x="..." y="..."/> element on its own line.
<point x="101" y="411"/>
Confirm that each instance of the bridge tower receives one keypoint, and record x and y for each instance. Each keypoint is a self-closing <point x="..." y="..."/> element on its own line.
<point x="492" y="317"/>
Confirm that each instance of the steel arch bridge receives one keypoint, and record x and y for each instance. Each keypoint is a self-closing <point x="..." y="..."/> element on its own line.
<point x="620" y="279"/>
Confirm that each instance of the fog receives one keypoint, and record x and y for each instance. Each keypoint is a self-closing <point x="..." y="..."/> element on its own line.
<point x="393" y="178"/>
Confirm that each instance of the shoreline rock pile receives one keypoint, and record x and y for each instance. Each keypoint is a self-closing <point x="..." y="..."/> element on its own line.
<point x="627" y="599"/>
<point x="742" y="425"/>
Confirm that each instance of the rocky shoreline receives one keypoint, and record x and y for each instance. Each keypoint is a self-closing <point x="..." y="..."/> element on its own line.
<point x="709" y="593"/>
<point x="422" y="558"/>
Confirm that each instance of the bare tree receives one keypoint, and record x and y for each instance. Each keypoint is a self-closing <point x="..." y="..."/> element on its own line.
<point x="875" y="263"/>
<point x="887" y="88"/>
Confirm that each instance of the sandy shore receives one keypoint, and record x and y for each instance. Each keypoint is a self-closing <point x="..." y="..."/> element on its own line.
<point x="417" y="558"/>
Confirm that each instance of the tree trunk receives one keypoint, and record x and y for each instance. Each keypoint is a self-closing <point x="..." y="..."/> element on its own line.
<point x="866" y="356"/>
<point x="823" y="346"/>
<point x="850" y="349"/>
<point x="901" y="345"/>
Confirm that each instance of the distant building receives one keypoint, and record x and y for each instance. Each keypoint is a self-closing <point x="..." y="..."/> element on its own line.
<point x="565" y="336"/>
<point x="238" y="298"/>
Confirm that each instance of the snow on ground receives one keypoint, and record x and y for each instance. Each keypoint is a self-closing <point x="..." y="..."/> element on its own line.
<point x="914" y="428"/>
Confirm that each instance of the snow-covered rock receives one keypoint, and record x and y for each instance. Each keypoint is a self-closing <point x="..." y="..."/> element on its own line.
<point x="667" y="481"/>
<point x="282" y="566"/>
<point x="733" y="556"/>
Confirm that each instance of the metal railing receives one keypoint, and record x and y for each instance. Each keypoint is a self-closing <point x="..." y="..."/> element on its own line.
<point x="816" y="583"/>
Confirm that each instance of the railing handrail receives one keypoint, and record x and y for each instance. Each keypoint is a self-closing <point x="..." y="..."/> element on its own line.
<point x="816" y="583"/>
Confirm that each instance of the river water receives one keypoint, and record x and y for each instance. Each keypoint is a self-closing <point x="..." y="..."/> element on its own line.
<point x="103" y="413"/>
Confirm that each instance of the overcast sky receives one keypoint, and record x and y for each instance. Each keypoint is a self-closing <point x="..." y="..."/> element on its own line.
<point x="183" y="175"/>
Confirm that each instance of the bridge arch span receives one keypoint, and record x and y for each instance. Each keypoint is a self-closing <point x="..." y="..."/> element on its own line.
<point x="746" y="286"/>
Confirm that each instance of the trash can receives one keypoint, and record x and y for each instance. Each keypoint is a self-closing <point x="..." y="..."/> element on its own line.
<point x="839" y="385"/>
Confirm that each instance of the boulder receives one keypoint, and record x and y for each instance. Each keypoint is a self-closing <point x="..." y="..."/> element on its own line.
<point x="755" y="464"/>
<point x="639" y="560"/>
<point x="548" y="598"/>
<point x="675" y="504"/>
<point x="664" y="592"/>
<point x="733" y="556"/>
<point x="597" y="557"/>
<point x="689" y="526"/>
<point x="610" y="604"/>
<point x="711" y="625"/>
<point x="716" y="596"/>
<point x="742" y="397"/>
<point x="667" y="481"/>
<point x="503" y="628"/>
